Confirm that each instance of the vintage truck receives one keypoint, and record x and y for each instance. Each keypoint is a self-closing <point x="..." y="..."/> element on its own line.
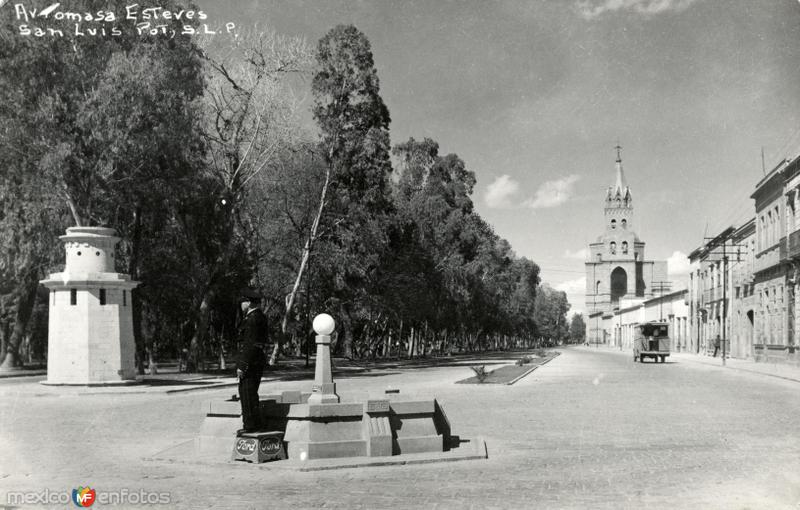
<point x="651" y="340"/>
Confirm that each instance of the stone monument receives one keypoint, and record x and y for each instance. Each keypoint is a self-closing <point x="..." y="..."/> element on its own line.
<point x="321" y="425"/>
<point x="90" y="336"/>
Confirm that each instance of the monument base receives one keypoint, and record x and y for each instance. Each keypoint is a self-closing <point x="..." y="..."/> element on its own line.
<point x="374" y="428"/>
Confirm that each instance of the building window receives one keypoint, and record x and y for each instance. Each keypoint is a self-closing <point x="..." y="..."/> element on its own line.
<point x="102" y="297"/>
<point x="73" y="296"/>
<point x="613" y="248"/>
<point x="624" y="223"/>
<point x="124" y="298"/>
<point x="613" y="224"/>
<point x="771" y="231"/>
<point x="625" y="247"/>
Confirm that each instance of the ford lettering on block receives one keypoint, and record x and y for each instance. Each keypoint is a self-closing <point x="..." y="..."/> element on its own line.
<point x="245" y="446"/>
<point x="259" y="447"/>
<point x="270" y="445"/>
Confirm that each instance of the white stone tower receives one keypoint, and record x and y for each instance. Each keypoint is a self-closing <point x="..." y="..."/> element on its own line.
<point x="90" y="336"/>
<point x="616" y="270"/>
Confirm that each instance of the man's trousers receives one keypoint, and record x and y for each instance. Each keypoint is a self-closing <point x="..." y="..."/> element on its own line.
<point x="248" y="394"/>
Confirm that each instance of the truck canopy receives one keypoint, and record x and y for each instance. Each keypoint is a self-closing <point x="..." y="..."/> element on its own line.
<point x="655" y="330"/>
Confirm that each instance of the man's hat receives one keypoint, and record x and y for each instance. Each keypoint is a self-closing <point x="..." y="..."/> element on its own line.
<point x="248" y="294"/>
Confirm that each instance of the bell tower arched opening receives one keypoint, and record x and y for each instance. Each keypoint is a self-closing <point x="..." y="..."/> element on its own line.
<point x="619" y="284"/>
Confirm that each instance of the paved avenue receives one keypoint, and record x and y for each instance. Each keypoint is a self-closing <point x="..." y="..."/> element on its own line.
<point x="591" y="429"/>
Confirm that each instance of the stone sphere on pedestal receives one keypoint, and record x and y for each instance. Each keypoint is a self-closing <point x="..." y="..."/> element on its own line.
<point x="324" y="389"/>
<point x="324" y="324"/>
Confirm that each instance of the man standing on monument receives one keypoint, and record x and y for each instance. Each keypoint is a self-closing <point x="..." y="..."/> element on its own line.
<point x="251" y="360"/>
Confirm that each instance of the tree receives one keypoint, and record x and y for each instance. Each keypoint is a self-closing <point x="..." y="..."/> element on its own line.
<point x="108" y="129"/>
<point x="551" y="313"/>
<point x="249" y="120"/>
<point x="577" y="329"/>
<point x="353" y="122"/>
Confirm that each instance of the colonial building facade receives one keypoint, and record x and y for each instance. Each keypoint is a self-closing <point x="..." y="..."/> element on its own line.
<point x="745" y="285"/>
<point x="617" y="273"/>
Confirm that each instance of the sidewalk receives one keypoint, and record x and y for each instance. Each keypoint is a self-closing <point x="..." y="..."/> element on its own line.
<point x="780" y="370"/>
<point x="772" y="369"/>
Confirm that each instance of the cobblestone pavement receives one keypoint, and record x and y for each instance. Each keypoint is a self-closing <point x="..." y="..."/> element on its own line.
<point x="591" y="429"/>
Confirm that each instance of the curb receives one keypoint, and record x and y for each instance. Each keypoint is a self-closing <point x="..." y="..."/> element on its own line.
<point x="548" y="360"/>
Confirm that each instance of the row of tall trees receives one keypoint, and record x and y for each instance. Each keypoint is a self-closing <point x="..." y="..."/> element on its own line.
<point x="194" y="152"/>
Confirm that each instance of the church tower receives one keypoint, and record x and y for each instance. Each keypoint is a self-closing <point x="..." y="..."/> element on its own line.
<point x="616" y="270"/>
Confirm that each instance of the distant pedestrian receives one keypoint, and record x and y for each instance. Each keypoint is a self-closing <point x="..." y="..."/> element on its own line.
<point x="717" y="343"/>
<point x="251" y="360"/>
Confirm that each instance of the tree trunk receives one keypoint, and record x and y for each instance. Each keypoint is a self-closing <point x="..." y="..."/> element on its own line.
<point x="424" y="345"/>
<point x="312" y="237"/>
<point x="399" y="338"/>
<point x="5" y="334"/>
<point x="347" y="331"/>
<point x="152" y="369"/>
<point x="26" y="298"/>
<point x="136" y="305"/>
<point x="200" y="333"/>
<point x="73" y="209"/>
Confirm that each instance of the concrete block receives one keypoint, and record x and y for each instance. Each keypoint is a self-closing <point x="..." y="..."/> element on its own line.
<point x="413" y="407"/>
<point x="413" y="425"/>
<point x="420" y="444"/>
<point x="308" y="411"/>
<point x="378" y="436"/>
<point x="327" y="450"/>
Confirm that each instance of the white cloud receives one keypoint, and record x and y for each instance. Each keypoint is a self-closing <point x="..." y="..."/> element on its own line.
<point x="573" y="287"/>
<point x="679" y="267"/>
<point x="591" y="9"/>
<point x="499" y="193"/>
<point x="577" y="255"/>
<point x="553" y="193"/>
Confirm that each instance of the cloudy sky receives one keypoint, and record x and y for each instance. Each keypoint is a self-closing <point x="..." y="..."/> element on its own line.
<point x="534" y="95"/>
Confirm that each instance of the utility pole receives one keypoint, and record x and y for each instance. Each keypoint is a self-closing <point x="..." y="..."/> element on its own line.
<point x="724" y="259"/>
<point x="661" y="286"/>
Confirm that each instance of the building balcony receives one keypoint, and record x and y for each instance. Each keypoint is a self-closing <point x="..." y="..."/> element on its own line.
<point x="793" y="245"/>
<point x="770" y="257"/>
